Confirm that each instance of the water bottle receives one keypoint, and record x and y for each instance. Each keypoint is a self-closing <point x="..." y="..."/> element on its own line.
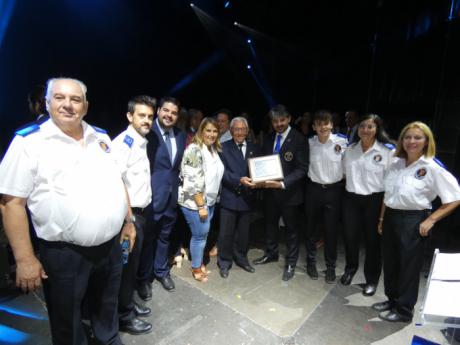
<point x="125" y="250"/>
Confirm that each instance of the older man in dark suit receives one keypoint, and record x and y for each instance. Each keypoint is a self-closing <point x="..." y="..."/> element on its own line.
<point x="283" y="198"/>
<point x="166" y="145"/>
<point x="236" y="199"/>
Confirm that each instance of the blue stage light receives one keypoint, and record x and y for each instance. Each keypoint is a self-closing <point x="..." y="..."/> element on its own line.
<point x="191" y="4"/>
<point x="227" y="4"/>
<point x="249" y="41"/>
<point x="10" y="335"/>
<point x="23" y="313"/>
<point x="249" y="66"/>
<point x="6" y="10"/>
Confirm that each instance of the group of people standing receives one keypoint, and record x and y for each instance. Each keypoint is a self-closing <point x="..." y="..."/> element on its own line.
<point x="81" y="188"/>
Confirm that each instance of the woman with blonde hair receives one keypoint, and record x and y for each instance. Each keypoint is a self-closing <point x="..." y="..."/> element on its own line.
<point x="413" y="181"/>
<point x="201" y="174"/>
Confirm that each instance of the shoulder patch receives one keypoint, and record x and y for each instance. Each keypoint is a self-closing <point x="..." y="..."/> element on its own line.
<point x="341" y="135"/>
<point x="128" y="140"/>
<point x="99" y="130"/>
<point x="28" y="129"/>
<point x="389" y="146"/>
<point x="438" y="162"/>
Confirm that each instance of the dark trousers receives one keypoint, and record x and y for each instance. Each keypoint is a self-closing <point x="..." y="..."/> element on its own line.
<point x="323" y="202"/>
<point x="233" y="242"/>
<point x="274" y="209"/>
<point x="128" y="278"/>
<point x="155" y="248"/>
<point x="402" y="257"/>
<point x="74" y="273"/>
<point x="360" y="216"/>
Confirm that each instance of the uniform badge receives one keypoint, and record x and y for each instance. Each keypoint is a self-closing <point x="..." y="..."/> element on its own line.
<point x="337" y="148"/>
<point x="104" y="146"/>
<point x="288" y="156"/>
<point x="377" y="158"/>
<point x="420" y="174"/>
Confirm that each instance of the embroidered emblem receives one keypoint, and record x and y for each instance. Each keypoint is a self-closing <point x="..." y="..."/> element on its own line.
<point x="337" y="148"/>
<point x="104" y="146"/>
<point x="420" y="174"/>
<point x="288" y="156"/>
<point x="377" y="158"/>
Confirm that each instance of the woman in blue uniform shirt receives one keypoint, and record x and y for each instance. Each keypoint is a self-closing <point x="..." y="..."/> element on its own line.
<point x="413" y="181"/>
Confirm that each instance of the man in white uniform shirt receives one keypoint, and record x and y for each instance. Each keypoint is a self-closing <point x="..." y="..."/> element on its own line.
<point x="324" y="192"/>
<point x="130" y="149"/>
<point x="64" y="170"/>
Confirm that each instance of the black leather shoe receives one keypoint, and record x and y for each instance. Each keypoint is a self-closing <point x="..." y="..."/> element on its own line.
<point x="135" y="326"/>
<point x="382" y="306"/>
<point x="223" y="272"/>
<point x="347" y="278"/>
<point x="264" y="260"/>
<point x="369" y="289"/>
<point x="144" y="290"/>
<point x="288" y="273"/>
<point x="394" y="316"/>
<point x="247" y="268"/>
<point x="141" y="310"/>
<point x="167" y="283"/>
<point x="330" y="275"/>
<point x="312" y="272"/>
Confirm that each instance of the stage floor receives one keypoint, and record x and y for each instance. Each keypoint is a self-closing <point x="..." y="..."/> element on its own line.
<point x="245" y="308"/>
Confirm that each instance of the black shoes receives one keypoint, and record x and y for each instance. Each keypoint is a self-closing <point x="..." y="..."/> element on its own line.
<point x="167" y="283"/>
<point x="264" y="260"/>
<point x="394" y="316"/>
<point x="347" y="278"/>
<point x="312" y="272"/>
<point x="144" y="290"/>
<point x="369" y="289"/>
<point x="382" y="306"/>
<point x="141" y="310"/>
<point x="288" y="273"/>
<point x="223" y="272"/>
<point x="135" y="326"/>
<point x="330" y="275"/>
<point x="247" y="268"/>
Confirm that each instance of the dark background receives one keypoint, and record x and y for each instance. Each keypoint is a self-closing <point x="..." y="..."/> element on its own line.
<point x="396" y="58"/>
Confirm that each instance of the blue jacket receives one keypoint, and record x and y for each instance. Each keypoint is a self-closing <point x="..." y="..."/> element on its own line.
<point x="233" y="195"/>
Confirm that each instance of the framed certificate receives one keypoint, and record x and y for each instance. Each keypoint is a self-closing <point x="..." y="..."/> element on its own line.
<point x="266" y="168"/>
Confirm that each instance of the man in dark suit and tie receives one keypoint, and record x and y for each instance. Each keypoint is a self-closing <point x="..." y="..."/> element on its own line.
<point x="236" y="199"/>
<point x="166" y="144"/>
<point x="283" y="198"/>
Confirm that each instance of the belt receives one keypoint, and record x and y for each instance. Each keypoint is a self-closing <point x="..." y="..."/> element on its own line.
<point x="138" y="210"/>
<point x="407" y="212"/>
<point x="330" y="185"/>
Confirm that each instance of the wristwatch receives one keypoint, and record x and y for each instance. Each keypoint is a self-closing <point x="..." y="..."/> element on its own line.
<point x="130" y="220"/>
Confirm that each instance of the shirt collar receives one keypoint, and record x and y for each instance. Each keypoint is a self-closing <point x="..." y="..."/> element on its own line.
<point x="136" y="136"/>
<point x="285" y="133"/>
<point x="50" y="129"/>
<point x="162" y="131"/>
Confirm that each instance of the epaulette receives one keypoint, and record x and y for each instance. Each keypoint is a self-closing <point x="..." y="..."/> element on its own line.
<point x="99" y="130"/>
<point x="27" y="129"/>
<point x="341" y="135"/>
<point x="389" y="146"/>
<point x="128" y="140"/>
<point x="437" y="161"/>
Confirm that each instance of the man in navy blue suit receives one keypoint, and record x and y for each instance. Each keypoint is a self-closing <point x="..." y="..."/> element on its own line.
<point x="236" y="199"/>
<point x="166" y="145"/>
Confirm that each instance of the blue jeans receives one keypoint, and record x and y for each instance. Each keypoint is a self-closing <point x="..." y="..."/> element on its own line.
<point x="199" y="230"/>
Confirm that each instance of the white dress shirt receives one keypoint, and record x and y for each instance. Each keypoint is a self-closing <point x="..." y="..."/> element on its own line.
<point x="283" y="137"/>
<point x="416" y="186"/>
<point x="172" y="138"/>
<point x="326" y="159"/>
<point x="75" y="192"/>
<point x="364" y="171"/>
<point x="213" y="172"/>
<point x="130" y="150"/>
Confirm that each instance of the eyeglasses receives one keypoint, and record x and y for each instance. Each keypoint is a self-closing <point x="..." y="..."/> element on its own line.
<point x="240" y="130"/>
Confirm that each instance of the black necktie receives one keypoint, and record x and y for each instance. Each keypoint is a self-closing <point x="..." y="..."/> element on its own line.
<point x="168" y="146"/>
<point x="240" y="146"/>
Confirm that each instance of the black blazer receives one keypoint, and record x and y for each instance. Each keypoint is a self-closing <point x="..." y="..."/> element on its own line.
<point x="294" y="155"/>
<point x="233" y="195"/>
<point x="165" y="176"/>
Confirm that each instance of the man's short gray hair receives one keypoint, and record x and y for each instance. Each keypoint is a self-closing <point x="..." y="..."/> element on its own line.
<point x="50" y="83"/>
<point x="240" y="119"/>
